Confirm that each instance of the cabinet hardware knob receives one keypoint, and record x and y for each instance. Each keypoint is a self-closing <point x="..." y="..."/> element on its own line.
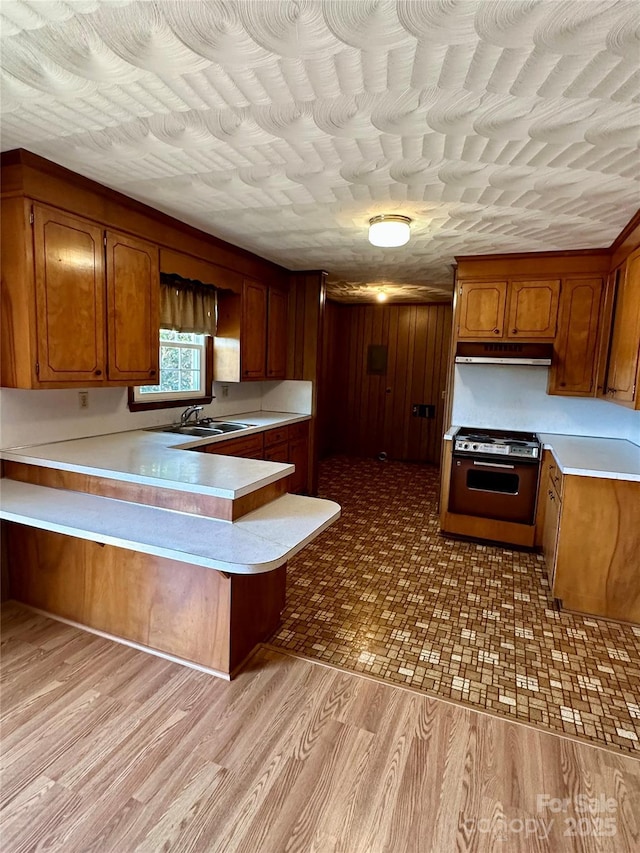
<point x="152" y="373"/>
<point x="496" y="331"/>
<point x="563" y="384"/>
<point x="514" y="331"/>
<point x="98" y="373"/>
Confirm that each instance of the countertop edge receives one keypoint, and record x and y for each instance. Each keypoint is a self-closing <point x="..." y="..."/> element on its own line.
<point x="46" y="515"/>
<point x="278" y="470"/>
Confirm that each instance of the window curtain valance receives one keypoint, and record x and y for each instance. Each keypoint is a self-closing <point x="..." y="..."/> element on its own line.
<point x="187" y="305"/>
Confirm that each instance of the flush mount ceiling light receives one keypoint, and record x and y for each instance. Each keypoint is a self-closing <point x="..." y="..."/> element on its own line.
<point x="381" y="295"/>
<point x="389" y="230"/>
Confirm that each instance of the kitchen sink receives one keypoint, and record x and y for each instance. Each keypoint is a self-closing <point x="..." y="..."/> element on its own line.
<point x="205" y="430"/>
<point x="227" y="427"/>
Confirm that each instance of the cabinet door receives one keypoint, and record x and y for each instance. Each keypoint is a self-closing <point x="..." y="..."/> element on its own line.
<point x="622" y="374"/>
<point x="133" y="295"/>
<point x="70" y="309"/>
<point x="253" y="341"/>
<point x="573" y="370"/>
<point x="550" y="530"/>
<point x="481" y="311"/>
<point x="533" y="309"/>
<point x="277" y="452"/>
<point x="298" y="456"/>
<point x="249" y="447"/>
<point x="277" y="334"/>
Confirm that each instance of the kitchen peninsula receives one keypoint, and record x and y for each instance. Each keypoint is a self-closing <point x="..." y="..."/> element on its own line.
<point x="135" y="536"/>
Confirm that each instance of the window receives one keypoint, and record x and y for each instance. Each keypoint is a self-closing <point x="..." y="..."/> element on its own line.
<point x="185" y="374"/>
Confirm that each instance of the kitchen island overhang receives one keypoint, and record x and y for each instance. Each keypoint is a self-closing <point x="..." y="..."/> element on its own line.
<point x="199" y="590"/>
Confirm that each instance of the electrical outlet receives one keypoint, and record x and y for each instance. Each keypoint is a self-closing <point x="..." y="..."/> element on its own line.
<point x="225" y="390"/>
<point x="83" y="398"/>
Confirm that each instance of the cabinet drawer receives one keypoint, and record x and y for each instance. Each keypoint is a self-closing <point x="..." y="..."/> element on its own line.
<point x="277" y="452"/>
<point x="276" y="436"/>
<point x="251" y="446"/>
<point x="299" y="430"/>
<point x="555" y="478"/>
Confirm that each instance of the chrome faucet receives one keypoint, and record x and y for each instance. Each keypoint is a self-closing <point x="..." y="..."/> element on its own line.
<point x="190" y="410"/>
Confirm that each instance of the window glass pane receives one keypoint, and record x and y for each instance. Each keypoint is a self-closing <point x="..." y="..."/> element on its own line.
<point x="189" y="380"/>
<point x="188" y="358"/>
<point x="181" y="360"/>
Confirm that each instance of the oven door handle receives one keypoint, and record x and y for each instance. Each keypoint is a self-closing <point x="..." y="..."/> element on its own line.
<point x="492" y="464"/>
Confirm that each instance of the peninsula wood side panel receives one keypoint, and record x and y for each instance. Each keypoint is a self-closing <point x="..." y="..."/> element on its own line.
<point x="197" y="614"/>
<point x="209" y="505"/>
<point x="375" y="411"/>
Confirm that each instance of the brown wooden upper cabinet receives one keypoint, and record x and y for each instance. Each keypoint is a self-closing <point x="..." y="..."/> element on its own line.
<point x="573" y="372"/>
<point x="532" y="310"/>
<point x="68" y="257"/>
<point x="508" y="310"/>
<point x="68" y="317"/>
<point x="481" y="309"/>
<point x="132" y="308"/>
<point x="623" y="365"/>
<point x="253" y="340"/>
<point x="277" y="334"/>
<point x="251" y="337"/>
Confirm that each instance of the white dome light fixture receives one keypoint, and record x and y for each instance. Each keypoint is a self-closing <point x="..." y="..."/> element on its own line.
<point x="389" y="230"/>
<point x="381" y="295"/>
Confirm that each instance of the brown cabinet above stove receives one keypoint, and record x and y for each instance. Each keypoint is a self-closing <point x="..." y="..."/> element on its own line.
<point x="552" y="297"/>
<point x="508" y="310"/>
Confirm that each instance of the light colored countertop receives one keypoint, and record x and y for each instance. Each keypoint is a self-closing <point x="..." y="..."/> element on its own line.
<point x="586" y="456"/>
<point x="610" y="458"/>
<point x="259" y="542"/>
<point x="157" y="458"/>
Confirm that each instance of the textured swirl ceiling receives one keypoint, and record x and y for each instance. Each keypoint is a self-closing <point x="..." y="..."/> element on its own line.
<point x="284" y="126"/>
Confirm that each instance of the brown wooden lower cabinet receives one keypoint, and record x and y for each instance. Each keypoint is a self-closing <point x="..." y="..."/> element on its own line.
<point x="591" y="543"/>
<point x="299" y="456"/>
<point x="250" y="446"/>
<point x="281" y="444"/>
<point x="194" y="613"/>
<point x="277" y="452"/>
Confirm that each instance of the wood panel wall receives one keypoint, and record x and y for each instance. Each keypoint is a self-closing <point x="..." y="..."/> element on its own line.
<point x="366" y="414"/>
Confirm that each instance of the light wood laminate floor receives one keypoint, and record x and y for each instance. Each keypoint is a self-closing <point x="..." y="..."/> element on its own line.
<point x="108" y="749"/>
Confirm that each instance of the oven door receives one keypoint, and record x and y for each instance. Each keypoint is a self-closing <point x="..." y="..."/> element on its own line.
<point x="501" y="490"/>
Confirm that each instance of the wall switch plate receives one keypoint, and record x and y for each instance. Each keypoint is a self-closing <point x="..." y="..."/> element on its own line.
<point x="423" y="410"/>
<point x="83" y="399"/>
<point x="225" y="390"/>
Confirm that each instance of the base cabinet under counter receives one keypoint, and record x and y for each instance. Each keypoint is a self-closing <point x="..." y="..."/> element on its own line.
<point x="591" y="542"/>
<point x="281" y="444"/>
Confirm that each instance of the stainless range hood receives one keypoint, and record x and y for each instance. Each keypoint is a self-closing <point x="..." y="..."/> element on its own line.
<point x="495" y="352"/>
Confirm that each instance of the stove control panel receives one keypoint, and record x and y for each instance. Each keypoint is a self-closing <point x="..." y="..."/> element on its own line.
<point x="478" y="447"/>
<point x="523" y="450"/>
<point x="528" y="452"/>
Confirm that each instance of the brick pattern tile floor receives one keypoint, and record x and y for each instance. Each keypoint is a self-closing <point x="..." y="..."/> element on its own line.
<point x="383" y="592"/>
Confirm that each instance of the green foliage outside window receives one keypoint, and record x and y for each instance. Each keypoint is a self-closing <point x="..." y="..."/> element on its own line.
<point x="181" y="367"/>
